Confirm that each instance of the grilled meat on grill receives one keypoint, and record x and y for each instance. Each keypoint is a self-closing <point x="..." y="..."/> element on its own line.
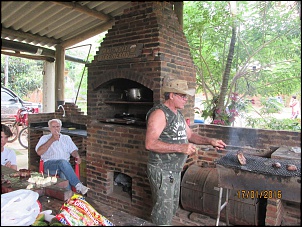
<point x="276" y="165"/>
<point x="291" y="167"/>
<point x="241" y="158"/>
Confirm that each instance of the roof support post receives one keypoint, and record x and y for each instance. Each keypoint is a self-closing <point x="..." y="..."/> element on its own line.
<point x="48" y="101"/>
<point x="59" y="74"/>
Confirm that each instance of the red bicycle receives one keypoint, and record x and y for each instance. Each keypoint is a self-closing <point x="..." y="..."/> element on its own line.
<point x="21" y="120"/>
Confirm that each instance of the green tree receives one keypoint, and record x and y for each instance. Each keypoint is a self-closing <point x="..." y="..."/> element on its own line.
<point x="255" y="52"/>
<point x="24" y="75"/>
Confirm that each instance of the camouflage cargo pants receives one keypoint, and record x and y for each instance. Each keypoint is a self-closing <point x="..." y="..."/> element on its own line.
<point x="165" y="189"/>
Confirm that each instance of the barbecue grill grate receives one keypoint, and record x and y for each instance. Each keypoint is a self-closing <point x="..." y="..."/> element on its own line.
<point x="260" y="165"/>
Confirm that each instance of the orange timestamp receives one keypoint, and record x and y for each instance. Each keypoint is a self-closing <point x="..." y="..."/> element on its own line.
<point x="256" y="194"/>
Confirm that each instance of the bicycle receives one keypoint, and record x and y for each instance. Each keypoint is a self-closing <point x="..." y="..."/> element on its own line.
<point x="23" y="137"/>
<point x="21" y="119"/>
<point x="14" y="127"/>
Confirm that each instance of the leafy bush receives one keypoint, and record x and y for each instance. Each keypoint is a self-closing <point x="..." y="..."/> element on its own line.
<point x="274" y="124"/>
<point x="271" y="105"/>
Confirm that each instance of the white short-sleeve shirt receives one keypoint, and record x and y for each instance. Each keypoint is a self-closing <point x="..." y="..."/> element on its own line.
<point x="8" y="155"/>
<point x="60" y="149"/>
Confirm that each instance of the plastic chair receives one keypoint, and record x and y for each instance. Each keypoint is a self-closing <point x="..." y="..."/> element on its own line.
<point x="76" y="170"/>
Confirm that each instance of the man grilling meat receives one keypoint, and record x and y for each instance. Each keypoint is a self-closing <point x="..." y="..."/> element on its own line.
<point x="169" y="141"/>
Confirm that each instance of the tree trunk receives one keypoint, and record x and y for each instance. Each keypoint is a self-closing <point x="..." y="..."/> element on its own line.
<point x="226" y="75"/>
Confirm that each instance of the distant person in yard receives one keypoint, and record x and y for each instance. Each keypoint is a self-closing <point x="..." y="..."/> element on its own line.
<point x="8" y="156"/>
<point x="279" y="98"/>
<point x="294" y="104"/>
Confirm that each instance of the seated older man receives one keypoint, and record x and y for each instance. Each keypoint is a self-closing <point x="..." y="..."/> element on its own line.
<point x="55" y="150"/>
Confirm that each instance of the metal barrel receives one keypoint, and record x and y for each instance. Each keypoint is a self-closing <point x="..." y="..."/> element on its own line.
<point x="200" y="194"/>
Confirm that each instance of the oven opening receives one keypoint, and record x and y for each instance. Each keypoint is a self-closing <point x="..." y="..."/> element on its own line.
<point x="122" y="185"/>
<point x="262" y="211"/>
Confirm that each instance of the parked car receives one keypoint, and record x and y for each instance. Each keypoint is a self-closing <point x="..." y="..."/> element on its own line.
<point x="11" y="103"/>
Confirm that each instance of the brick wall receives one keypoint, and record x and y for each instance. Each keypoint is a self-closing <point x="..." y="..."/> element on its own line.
<point x="165" y="54"/>
<point x="118" y="149"/>
<point x="292" y="214"/>
<point x="274" y="212"/>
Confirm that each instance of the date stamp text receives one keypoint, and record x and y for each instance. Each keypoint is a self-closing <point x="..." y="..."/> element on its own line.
<point x="256" y="194"/>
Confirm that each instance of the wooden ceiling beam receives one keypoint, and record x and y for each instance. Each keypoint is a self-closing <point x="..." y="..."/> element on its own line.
<point x="28" y="56"/>
<point x="90" y="33"/>
<point x="25" y="35"/>
<point x="40" y="51"/>
<point x="83" y="9"/>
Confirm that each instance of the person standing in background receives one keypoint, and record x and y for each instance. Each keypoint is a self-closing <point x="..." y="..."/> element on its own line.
<point x="294" y="104"/>
<point x="8" y="156"/>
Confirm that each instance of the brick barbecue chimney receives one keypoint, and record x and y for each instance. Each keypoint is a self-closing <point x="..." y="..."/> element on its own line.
<point x="145" y="47"/>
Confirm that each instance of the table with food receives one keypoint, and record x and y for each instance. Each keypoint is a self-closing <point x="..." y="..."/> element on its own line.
<point x="36" y="199"/>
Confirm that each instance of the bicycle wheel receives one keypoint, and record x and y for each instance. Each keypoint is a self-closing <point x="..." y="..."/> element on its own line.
<point x="15" y="130"/>
<point x="23" y="137"/>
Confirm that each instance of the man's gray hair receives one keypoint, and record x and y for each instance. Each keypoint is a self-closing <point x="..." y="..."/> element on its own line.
<point x="167" y="95"/>
<point x="56" y="120"/>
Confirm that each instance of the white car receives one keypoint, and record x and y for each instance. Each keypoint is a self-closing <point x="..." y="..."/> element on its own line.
<point x="11" y="103"/>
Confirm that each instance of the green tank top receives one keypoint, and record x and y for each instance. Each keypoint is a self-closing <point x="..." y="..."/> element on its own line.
<point x="175" y="133"/>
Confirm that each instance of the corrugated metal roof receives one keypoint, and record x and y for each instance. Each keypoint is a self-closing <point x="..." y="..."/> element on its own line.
<point x="47" y="23"/>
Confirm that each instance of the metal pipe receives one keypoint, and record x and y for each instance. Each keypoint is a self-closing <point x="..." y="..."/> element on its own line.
<point x="83" y="69"/>
<point x="60" y="106"/>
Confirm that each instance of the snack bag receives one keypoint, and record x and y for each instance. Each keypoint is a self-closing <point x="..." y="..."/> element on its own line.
<point x="78" y="212"/>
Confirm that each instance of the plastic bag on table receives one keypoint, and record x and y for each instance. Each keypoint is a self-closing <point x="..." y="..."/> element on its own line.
<point x="78" y="212"/>
<point x="19" y="208"/>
